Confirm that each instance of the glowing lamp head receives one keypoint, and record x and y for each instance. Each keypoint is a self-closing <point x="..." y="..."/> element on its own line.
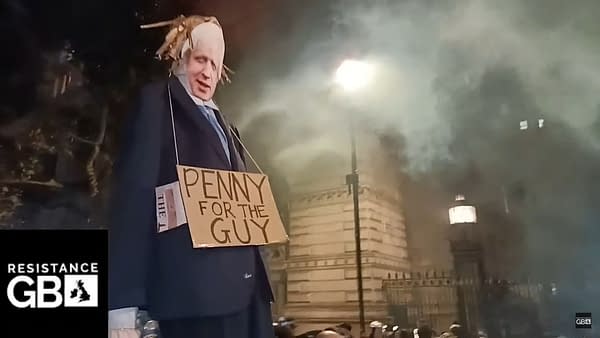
<point x="353" y="75"/>
<point x="462" y="213"/>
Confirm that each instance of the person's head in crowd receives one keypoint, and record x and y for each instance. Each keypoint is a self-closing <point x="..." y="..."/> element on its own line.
<point x="457" y="330"/>
<point x="283" y="332"/>
<point x="405" y="334"/>
<point x="425" y="332"/>
<point x="344" y="329"/>
<point x="288" y="322"/>
<point x="328" y="333"/>
<point x="346" y="326"/>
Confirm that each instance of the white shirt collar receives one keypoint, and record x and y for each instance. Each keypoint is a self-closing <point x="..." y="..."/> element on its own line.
<point x="198" y="101"/>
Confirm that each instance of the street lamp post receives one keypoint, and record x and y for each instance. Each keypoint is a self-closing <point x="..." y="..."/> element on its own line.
<point x="352" y="75"/>
<point x="352" y="181"/>
<point x="468" y="260"/>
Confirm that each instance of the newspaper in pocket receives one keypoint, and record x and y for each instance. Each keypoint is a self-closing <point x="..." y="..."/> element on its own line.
<point x="170" y="212"/>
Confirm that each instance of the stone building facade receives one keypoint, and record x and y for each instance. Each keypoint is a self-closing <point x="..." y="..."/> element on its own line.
<point x="314" y="276"/>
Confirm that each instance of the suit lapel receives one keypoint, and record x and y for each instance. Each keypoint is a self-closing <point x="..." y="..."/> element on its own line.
<point x="191" y="111"/>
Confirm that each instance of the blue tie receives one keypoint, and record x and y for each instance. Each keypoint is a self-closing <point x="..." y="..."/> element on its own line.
<point x="211" y="117"/>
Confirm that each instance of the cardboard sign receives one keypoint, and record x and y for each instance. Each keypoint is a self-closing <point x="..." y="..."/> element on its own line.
<point x="229" y="208"/>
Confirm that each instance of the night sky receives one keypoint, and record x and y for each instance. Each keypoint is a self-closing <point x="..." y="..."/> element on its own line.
<point x="458" y="79"/>
<point x="106" y="37"/>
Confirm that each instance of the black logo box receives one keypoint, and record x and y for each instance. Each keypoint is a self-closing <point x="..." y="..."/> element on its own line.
<point x="583" y="320"/>
<point x="55" y="246"/>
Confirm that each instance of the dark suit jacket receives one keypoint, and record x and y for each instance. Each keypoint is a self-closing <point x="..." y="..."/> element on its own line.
<point x="162" y="272"/>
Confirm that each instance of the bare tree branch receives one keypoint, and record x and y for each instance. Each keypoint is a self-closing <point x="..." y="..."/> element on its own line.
<point x="90" y="164"/>
<point x="50" y="183"/>
<point x="81" y="139"/>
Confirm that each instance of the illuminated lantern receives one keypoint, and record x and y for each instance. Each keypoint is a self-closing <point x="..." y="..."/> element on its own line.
<point x="462" y="212"/>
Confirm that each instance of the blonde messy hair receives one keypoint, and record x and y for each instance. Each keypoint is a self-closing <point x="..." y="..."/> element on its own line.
<point x="180" y="30"/>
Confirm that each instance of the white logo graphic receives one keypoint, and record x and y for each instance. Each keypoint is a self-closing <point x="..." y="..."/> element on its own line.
<point x="47" y="291"/>
<point x="81" y="291"/>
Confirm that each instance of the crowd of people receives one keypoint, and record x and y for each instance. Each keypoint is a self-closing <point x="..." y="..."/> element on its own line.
<point x="285" y="328"/>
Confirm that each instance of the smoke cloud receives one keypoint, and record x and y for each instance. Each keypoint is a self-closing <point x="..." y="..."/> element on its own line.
<point x="427" y="54"/>
<point x="453" y="81"/>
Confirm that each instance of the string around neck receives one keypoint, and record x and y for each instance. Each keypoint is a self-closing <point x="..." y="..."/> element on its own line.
<point x="173" y="124"/>
<point x="245" y="149"/>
